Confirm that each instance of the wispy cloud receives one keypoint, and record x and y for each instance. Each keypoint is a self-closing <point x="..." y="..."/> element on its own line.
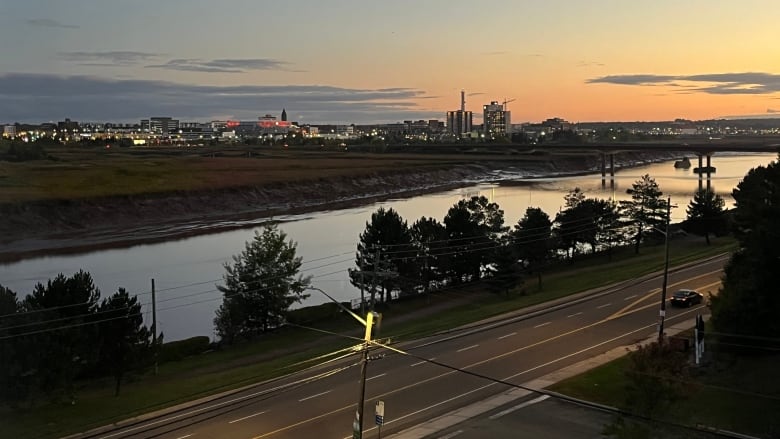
<point x="36" y="97"/>
<point x="476" y="93"/>
<point x="772" y="110"/>
<point x="49" y="22"/>
<point x="711" y="83"/>
<point x="110" y="58"/>
<point x="583" y="63"/>
<point x="221" y="65"/>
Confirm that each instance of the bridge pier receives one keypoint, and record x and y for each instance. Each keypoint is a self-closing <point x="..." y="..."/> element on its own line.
<point x="603" y="170"/>
<point x="709" y="174"/>
<point x="700" y="165"/>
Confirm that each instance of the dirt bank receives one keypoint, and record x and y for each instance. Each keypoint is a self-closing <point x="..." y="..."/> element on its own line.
<point x="65" y="226"/>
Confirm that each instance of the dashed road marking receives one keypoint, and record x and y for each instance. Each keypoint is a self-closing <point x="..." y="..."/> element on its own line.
<point x="467" y="348"/>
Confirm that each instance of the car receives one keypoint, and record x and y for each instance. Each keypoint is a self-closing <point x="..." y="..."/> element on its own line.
<point x="686" y="298"/>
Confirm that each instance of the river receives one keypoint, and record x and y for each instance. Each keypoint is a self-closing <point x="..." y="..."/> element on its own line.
<point x="187" y="271"/>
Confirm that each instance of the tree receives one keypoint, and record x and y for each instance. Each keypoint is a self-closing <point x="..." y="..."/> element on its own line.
<point x="575" y="224"/>
<point x="706" y="214"/>
<point x="473" y="228"/>
<point x="125" y="343"/>
<point x="646" y="209"/>
<point x="505" y="272"/>
<point x="532" y="240"/>
<point x="748" y="303"/>
<point x="657" y="378"/>
<point x="386" y="235"/>
<point x="63" y="338"/>
<point x="260" y="286"/>
<point x="12" y="388"/>
<point x="429" y="238"/>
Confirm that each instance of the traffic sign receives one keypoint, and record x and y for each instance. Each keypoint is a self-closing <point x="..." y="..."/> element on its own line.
<point x="380" y="413"/>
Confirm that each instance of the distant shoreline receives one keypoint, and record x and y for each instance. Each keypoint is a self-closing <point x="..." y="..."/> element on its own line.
<point x="80" y="226"/>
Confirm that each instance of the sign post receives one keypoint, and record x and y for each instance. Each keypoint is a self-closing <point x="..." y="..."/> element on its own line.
<point x="380" y="416"/>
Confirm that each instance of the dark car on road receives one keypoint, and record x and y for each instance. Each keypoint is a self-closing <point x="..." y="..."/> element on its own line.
<point x="686" y="298"/>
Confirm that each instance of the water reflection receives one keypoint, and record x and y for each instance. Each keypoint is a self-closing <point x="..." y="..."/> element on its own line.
<point x="186" y="272"/>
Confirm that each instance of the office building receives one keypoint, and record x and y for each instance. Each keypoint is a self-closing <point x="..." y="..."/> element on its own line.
<point x="496" y="120"/>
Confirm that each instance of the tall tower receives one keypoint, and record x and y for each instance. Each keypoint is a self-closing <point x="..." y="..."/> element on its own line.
<point x="284" y="115"/>
<point x="459" y="121"/>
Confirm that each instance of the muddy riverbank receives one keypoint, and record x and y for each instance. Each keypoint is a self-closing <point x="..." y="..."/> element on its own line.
<point x="66" y="226"/>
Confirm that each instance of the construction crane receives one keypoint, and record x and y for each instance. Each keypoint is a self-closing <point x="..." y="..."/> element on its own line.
<point x="506" y="101"/>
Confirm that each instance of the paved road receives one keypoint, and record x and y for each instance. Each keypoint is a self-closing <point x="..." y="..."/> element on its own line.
<point x="514" y="350"/>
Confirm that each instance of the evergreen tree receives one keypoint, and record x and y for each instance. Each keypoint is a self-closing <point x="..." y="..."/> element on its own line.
<point x="532" y="239"/>
<point x="260" y="286"/>
<point x="429" y="238"/>
<point x="706" y="214"/>
<point x="386" y="235"/>
<point x="748" y="303"/>
<point x="646" y="210"/>
<point x="125" y="343"/>
<point x="505" y="273"/>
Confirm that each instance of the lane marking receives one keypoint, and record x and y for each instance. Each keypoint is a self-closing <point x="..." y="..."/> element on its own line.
<point x="573" y="315"/>
<point x="603" y="306"/>
<point x="467" y="348"/>
<point x="543" y="324"/>
<point x="631" y="297"/>
<point x="655" y="305"/>
<point x="451" y="435"/>
<point x="519" y="406"/>
<point x="487" y="360"/>
<point x="423" y="362"/>
<point x="508" y="335"/>
<point x="314" y="396"/>
<point x="186" y="435"/>
<point x="245" y="417"/>
<point x="376" y="376"/>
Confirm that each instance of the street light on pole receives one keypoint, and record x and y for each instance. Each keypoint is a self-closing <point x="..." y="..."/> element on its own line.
<point x="368" y="322"/>
<point x="662" y="311"/>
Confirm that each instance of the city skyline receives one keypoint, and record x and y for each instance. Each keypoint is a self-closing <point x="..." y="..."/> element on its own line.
<point x="379" y="62"/>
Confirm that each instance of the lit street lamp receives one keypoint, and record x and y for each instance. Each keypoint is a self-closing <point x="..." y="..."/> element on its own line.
<point x="368" y="322"/>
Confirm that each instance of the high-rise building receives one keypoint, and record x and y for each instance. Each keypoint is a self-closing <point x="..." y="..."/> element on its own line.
<point x="284" y="115"/>
<point x="163" y="125"/>
<point x="496" y="119"/>
<point x="459" y="121"/>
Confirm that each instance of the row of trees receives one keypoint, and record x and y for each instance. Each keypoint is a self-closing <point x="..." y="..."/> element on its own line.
<point x="63" y="331"/>
<point x="472" y="242"/>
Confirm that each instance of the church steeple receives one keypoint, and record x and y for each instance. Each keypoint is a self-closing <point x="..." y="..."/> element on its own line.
<point x="284" y="115"/>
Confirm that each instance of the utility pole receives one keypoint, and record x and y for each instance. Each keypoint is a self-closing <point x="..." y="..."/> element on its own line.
<point x="154" y="326"/>
<point x="662" y="312"/>
<point x="357" y="426"/>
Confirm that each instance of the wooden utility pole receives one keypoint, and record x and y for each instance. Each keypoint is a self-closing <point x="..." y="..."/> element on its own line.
<point x="154" y="327"/>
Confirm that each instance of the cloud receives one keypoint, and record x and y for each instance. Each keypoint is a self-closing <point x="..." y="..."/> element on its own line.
<point x="41" y="97"/>
<point x="48" y="22"/>
<point x="476" y="93"/>
<point x="583" y="63"/>
<point x="110" y="58"/>
<point x="772" y="110"/>
<point x="711" y="83"/>
<point x="221" y="65"/>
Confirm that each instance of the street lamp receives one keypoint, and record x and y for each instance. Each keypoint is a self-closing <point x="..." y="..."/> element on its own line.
<point x="662" y="312"/>
<point x="368" y="322"/>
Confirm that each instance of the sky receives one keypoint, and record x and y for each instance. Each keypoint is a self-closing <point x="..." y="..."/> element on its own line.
<point x="383" y="61"/>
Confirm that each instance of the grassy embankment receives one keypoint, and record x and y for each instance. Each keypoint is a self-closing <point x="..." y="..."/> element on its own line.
<point x="75" y="173"/>
<point x="232" y="368"/>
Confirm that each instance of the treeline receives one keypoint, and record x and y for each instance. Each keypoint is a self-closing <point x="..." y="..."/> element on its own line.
<point x="473" y="243"/>
<point x="62" y="332"/>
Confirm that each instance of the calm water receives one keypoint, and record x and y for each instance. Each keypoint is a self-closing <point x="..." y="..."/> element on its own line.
<point x="186" y="272"/>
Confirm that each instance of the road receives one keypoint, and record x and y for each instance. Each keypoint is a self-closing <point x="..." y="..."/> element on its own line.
<point x="321" y="402"/>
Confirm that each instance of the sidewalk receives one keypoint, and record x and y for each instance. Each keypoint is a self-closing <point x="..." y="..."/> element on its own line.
<point x="465" y="413"/>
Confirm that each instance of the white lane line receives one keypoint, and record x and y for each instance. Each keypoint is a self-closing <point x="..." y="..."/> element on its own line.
<point x="241" y="419"/>
<point x="186" y="435"/>
<point x="422" y="362"/>
<point x="543" y="324"/>
<point x="451" y="435"/>
<point x="314" y="396"/>
<point x="508" y="335"/>
<point x="467" y="348"/>
<point x="519" y="406"/>
<point x="603" y="306"/>
<point x="376" y="376"/>
<point x="573" y="315"/>
<point x="630" y="297"/>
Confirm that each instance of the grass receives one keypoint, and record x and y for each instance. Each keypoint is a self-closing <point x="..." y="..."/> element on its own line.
<point x="78" y="173"/>
<point x="734" y="393"/>
<point x="272" y="357"/>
